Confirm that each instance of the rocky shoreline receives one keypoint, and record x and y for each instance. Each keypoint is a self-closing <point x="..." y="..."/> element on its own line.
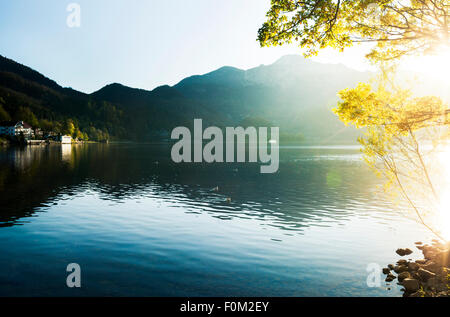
<point x="427" y="277"/>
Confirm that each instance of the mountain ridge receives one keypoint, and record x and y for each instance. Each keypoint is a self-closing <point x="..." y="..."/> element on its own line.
<point x="293" y="93"/>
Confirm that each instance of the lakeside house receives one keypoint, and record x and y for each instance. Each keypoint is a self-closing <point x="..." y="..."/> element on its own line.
<point x="16" y="128"/>
<point x="65" y="139"/>
<point x="21" y="128"/>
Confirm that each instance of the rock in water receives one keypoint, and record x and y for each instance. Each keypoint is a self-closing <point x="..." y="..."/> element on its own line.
<point x="413" y="266"/>
<point x="400" y="268"/>
<point x="411" y="285"/>
<point x="425" y="275"/>
<point x="415" y="276"/>
<point x="431" y="266"/>
<point x="402" y="276"/>
<point x="390" y="277"/>
<point x="386" y="270"/>
<point x="403" y="252"/>
<point x="400" y="252"/>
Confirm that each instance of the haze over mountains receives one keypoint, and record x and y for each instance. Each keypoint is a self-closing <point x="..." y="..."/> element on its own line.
<point x="293" y="93"/>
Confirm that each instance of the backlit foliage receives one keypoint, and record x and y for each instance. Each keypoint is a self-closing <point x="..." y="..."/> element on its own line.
<point x="401" y="131"/>
<point x="397" y="27"/>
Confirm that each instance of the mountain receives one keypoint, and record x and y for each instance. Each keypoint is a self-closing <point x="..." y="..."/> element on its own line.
<point x="293" y="93"/>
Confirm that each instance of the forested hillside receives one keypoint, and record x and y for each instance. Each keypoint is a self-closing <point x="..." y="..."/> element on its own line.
<point x="293" y="93"/>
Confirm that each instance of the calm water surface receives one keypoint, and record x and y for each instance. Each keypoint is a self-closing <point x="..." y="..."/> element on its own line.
<point x="140" y="225"/>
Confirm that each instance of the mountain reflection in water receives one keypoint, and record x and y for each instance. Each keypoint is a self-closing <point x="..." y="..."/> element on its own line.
<point x="323" y="205"/>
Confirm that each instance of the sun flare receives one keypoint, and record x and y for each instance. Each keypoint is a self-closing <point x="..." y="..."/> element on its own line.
<point x="436" y="65"/>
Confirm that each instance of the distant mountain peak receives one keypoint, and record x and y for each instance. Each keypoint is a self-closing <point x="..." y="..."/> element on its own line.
<point x="227" y="69"/>
<point x="114" y="85"/>
<point x="291" y="58"/>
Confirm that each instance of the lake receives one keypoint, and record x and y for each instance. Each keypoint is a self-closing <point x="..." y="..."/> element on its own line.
<point x="140" y="225"/>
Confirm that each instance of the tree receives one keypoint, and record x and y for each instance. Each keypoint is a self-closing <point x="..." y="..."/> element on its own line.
<point x="4" y="115"/>
<point x="69" y="127"/>
<point x="397" y="124"/>
<point x="85" y="137"/>
<point x="25" y="114"/>
<point x="398" y="128"/>
<point x="57" y="127"/>
<point x="46" y="125"/>
<point x="397" y="27"/>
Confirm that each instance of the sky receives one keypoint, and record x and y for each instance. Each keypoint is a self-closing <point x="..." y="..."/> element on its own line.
<point x="142" y="44"/>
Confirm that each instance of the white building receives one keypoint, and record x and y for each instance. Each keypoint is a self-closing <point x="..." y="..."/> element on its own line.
<point x="14" y="128"/>
<point x="65" y="139"/>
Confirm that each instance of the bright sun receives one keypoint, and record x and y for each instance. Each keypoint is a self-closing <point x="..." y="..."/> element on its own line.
<point x="436" y="65"/>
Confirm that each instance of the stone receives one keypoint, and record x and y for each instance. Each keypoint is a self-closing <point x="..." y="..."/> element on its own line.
<point x="431" y="266"/>
<point x="403" y="252"/>
<point x="400" y="268"/>
<point x="412" y="266"/>
<point x="415" y="276"/>
<point x="429" y="254"/>
<point x="403" y="275"/>
<point x="411" y="285"/>
<point x="425" y="275"/>
<point x="417" y="294"/>
<point x="435" y="284"/>
<point x="418" y="242"/>
<point x="390" y="277"/>
<point x="400" y="252"/>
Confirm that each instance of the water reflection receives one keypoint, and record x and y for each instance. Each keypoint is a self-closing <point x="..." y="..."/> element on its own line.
<point x="141" y="225"/>
<point x="302" y="193"/>
<point x="66" y="152"/>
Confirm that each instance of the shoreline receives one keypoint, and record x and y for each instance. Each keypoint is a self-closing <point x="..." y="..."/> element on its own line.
<point x="427" y="277"/>
<point x="9" y="143"/>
